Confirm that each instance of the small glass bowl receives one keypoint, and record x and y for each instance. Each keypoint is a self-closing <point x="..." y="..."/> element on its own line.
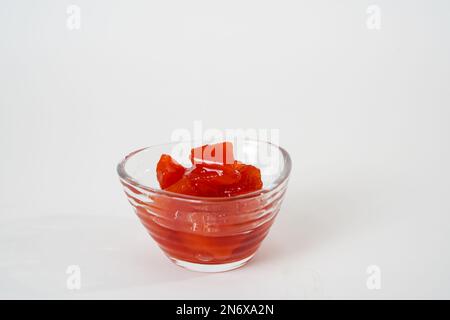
<point x="203" y="233"/>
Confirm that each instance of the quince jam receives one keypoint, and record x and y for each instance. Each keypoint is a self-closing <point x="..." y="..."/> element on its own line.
<point x="214" y="173"/>
<point x="207" y="232"/>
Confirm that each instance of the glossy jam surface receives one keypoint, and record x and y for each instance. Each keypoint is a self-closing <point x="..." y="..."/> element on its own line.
<point x="168" y="171"/>
<point x="214" y="173"/>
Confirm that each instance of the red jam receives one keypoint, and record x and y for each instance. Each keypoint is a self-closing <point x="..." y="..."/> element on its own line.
<point x="214" y="173"/>
<point x="215" y="232"/>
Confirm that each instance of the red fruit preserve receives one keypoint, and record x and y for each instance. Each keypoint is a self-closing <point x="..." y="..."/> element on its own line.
<point x="214" y="233"/>
<point x="214" y="173"/>
<point x="208" y="212"/>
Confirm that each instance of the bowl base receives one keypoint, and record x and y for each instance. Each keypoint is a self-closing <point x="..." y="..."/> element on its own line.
<point x="201" y="267"/>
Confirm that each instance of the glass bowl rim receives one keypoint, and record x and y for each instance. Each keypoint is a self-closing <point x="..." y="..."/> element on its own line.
<point x="282" y="177"/>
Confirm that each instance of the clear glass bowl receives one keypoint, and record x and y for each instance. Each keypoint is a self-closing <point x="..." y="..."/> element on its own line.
<point x="203" y="233"/>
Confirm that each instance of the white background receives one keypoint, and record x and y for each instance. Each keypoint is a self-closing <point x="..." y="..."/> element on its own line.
<point x="364" y="114"/>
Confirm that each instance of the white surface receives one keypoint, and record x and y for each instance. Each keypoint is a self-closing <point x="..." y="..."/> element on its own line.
<point x="363" y="113"/>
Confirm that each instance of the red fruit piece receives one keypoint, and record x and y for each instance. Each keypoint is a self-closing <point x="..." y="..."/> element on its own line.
<point x="250" y="180"/>
<point x="210" y="181"/>
<point x="219" y="153"/>
<point x="214" y="174"/>
<point x="168" y="171"/>
<point x="183" y="186"/>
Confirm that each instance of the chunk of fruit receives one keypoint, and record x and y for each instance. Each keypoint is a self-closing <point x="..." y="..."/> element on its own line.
<point x="183" y="186"/>
<point x="219" y="153"/>
<point x="168" y="171"/>
<point x="250" y="180"/>
<point x="214" y="173"/>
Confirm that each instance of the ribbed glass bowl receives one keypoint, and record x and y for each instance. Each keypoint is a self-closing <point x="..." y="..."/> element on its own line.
<point x="203" y="233"/>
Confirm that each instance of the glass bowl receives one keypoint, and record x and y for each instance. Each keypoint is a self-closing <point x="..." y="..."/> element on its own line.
<point x="203" y="233"/>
